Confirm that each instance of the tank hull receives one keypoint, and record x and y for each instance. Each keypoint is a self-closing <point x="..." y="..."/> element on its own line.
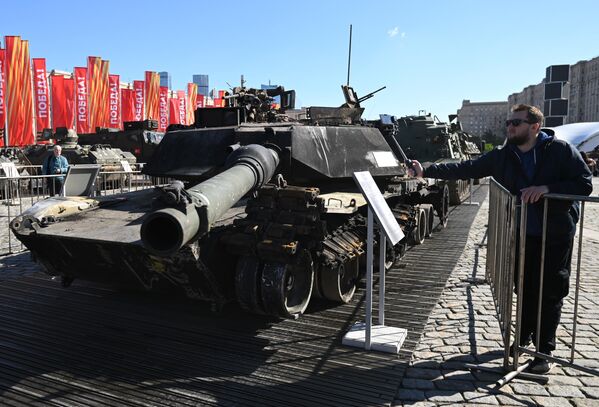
<point x="298" y="237"/>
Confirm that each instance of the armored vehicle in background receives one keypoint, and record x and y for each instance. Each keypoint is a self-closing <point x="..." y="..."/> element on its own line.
<point x="428" y="140"/>
<point x="263" y="210"/>
<point x="138" y="138"/>
<point x="108" y="157"/>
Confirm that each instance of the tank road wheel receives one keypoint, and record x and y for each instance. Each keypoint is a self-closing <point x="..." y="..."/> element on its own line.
<point x="248" y="279"/>
<point x="419" y="232"/>
<point x="338" y="283"/>
<point x="442" y="206"/>
<point x="430" y="219"/>
<point x="287" y="288"/>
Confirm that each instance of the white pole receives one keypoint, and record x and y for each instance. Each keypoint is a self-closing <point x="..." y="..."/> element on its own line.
<point x="369" y="258"/>
<point x="383" y="243"/>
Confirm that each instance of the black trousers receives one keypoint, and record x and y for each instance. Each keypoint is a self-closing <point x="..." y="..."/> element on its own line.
<point x="55" y="185"/>
<point x="556" y="279"/>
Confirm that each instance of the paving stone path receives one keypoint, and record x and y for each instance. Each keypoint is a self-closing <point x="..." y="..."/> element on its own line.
<point x="463" y="329"/>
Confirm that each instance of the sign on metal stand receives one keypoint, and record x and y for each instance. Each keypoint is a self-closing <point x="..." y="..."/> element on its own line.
<point x="364" y="334"/>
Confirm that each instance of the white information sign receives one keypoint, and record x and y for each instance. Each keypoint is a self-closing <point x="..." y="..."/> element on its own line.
<point x="10" y="171"/>
<point x="378" y="337"/>
<point x="126" y="166"/>
<point x="379" y="206"/>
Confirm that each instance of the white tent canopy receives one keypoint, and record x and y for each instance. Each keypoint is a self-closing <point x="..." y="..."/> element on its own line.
<point x="583" y="136"/>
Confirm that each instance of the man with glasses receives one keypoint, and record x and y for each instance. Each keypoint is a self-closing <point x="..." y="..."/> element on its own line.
<point x="530" y="165"/>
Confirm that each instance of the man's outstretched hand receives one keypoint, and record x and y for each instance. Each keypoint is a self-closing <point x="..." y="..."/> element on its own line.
<point x="534" y="193"/>
<point x="415" y="170"/>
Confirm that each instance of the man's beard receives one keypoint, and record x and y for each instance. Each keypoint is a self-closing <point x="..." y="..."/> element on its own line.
<point x="518" y="140"/>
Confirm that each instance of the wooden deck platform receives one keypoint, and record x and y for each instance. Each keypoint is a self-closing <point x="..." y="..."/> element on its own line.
<point x="91" y="345"/>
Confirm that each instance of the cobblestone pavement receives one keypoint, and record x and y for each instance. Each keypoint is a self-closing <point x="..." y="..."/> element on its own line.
<point x="463" y="329"/>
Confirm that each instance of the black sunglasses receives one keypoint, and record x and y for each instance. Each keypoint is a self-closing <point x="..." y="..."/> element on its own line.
<point x="516" y="122"/>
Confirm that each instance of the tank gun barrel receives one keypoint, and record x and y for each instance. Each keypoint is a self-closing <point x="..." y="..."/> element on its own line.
<point x="195" y="209"/>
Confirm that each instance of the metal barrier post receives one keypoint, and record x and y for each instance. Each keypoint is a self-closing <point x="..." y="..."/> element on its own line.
<point x="577" y="289"/>
<point x="520" y="288"/>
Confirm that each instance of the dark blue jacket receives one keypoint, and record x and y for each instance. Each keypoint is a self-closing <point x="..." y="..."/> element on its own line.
<point x="55" y="165"/>
<point x="558" y="165"/>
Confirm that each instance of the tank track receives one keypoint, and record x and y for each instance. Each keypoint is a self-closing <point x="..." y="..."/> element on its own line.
<point x="458" y="191"/>
<point x="287" y="253"/>
<point x="284" y="231"/>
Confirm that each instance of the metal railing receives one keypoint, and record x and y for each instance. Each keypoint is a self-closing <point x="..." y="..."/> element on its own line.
<point x="521" y="349"/>
<point x="18" y="193"/>
<point x="501" y="257"/>
<point x="503" y="249"/>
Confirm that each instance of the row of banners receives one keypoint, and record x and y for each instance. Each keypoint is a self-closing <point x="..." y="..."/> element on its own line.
<point x="31" y="100"/>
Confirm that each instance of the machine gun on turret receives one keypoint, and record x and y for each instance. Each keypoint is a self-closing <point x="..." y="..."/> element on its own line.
<point x="348" y="113"/>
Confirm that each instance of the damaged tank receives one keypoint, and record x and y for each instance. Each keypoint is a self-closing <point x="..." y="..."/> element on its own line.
<point x="426" y="139"/>
<point x="139" y="138"/>
<point x="262" y="209"/>
<point x="109" y="158"/>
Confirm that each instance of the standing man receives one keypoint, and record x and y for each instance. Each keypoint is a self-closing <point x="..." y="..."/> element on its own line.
<point x="55" y="164"/>
<point x="530" y="165"/>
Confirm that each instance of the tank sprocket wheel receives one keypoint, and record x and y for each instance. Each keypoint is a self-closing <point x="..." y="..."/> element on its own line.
<point x="287" y="288"/>
<point x="338" y="283"/>
<point x="248" y="279"/>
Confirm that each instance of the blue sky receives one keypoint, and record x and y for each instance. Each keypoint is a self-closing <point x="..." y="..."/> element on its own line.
<point x="431" y="55"/>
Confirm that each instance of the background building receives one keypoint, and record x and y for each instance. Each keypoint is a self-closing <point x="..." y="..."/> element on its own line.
<point x="531" y="95"/>
<point x="567" y="94"/>
<point x="484" y="119"/>
<point x="165" y="79"/>
<point x="203" y="83"/>
<point x="583" y="95"/>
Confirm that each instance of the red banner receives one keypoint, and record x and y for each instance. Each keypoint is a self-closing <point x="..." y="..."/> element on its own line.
<point x="59" y="111"/>
<point x="114" y="121"/>
<point x="200" y="101"/>
<point x="69" y="91"/>
<point x="138" y="87"/>
<point x="163" y="121"/>
<point x="192" y="94"/>
<point x="104" y="96"/>
<point x="152" y="95"/>
<point x="128" y="105"/>
<point x="173" y="110"/>
<point x="19" y="106"/>
<point x="182" y="110"/>
<point x="99" y="104"/>
<point x="94" y="68"/>
<point x="82" y="110"/>
<point x="2" y="93"/>
<point x="42" y="94"/>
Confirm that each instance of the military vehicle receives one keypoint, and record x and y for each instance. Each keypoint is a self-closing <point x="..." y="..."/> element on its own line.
<point x="262" y="210"/>
<point x="109" y="158"/>
<point x="425" y="138"/>
<point x="138" y="138"/>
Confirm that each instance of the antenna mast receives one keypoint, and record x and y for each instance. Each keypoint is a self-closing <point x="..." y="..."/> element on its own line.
<point x="349" y="57"/>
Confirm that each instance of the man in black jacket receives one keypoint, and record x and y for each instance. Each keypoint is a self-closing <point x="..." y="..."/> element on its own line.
<point x="530" y="165"/>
